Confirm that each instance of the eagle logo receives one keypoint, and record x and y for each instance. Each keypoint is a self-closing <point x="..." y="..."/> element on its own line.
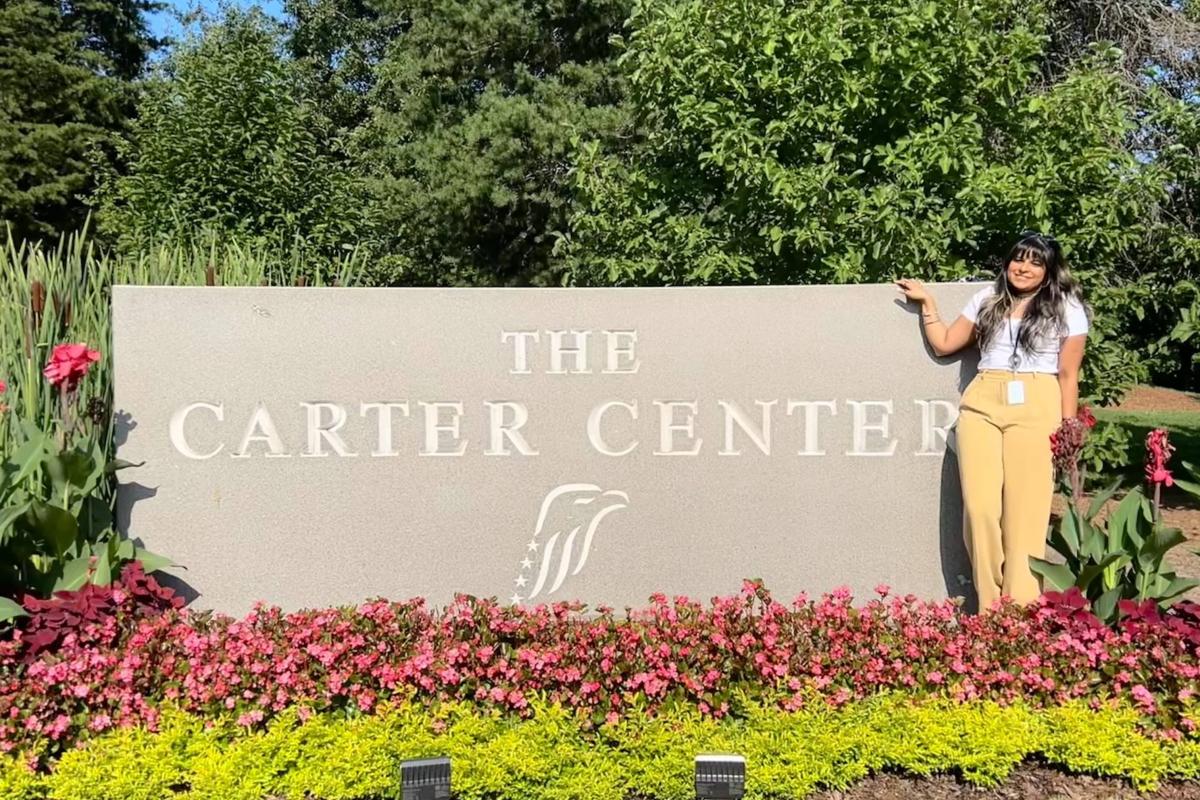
<point x="570" y="515"/>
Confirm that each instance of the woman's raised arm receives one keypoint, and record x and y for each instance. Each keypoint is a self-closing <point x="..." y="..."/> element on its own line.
<point x="944" y="339"/>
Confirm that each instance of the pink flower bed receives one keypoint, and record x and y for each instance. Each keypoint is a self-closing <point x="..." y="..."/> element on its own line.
<point x="118" y="671"/>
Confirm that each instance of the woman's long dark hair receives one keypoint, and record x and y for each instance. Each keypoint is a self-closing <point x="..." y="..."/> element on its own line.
<point x="1045" y="316"/>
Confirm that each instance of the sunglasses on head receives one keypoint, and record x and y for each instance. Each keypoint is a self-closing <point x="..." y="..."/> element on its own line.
<point x="1045" y="236"/>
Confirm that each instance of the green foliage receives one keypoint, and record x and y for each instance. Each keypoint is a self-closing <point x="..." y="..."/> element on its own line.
<point x="337" y="46"/>
<point x="1148" y="319"/>
<point x="832" y="142"/>
<point x="1116" y="558"/>
<point x="856" y="142"/>
<point x="77" y="278"/>
<point x="54" y="519"/>
<point x="65" y="94"/>
<point x="1116" y="356"/>
<point x="1128" y="429"/>
<point x="57" y="472"/>
<point x="117" y="30"/>
<point x="1181" y="345"/>
<point x="19" y="782"/>
<point x="1107" y="450"/>
<point x="223" y="144"/>
<point x="552" y="757"/>
<point x="57" y="106"/>
<point x="469" y="140"/>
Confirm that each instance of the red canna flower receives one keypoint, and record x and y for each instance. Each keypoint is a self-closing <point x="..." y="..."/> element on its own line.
<point x="1158" y="453"/>
<point x="1086" y="416"/>
<point x="69" y="363"/>
<point x="1066" y="444"/>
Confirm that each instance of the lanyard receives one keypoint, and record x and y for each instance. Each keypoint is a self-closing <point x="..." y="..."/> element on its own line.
<point x="1013" y="360"/>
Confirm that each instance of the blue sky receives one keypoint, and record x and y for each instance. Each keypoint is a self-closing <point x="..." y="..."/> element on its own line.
<point x="164" y="23"/>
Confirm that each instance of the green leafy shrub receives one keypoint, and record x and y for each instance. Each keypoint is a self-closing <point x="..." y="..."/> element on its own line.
<point x="857" y="142"/>
<point x="1106" y="450"/>
<point x="1185" y="333"/>
<point x="1119" y="557"/>
<point x="222" y="142"/>
<point x="57" y="466"/>
<point x="550" y="756"/>
<point x="1116" y="558"/>
<point x="56" y="530"/>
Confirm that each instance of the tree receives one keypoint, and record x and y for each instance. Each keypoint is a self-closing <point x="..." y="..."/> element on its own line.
<point x="788" y="142"/>
<point x="223" y="143"/>
<point x="116" y="30"/>
<point x="469" y="139"/>
<point x="59" y="107"/>
<point x="1157" y="39"/>
<point x="337" y="46"/>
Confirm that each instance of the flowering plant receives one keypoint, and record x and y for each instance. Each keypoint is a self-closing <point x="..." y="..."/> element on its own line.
<point x="56" y="532"/>
<point x="93" y="614"/>
<point x="1119" y="558"/>
<point x="1158" y="453"/>
<point x="713" y="657"/>
<point x="68" y="364"/>
<point x="1066" y="446"/>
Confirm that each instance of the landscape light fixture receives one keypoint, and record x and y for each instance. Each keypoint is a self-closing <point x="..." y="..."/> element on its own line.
<point x="426" y="779"/>
<point x="720" y="776"/>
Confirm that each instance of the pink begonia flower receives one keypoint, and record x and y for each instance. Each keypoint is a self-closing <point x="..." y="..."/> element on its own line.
<point x="69" y="363"/>
<point x="327" y="661"/>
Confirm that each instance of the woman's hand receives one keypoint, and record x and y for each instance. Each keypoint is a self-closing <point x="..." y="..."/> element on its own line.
<point x="914" y="290"/>
<point x="943" y="339"/>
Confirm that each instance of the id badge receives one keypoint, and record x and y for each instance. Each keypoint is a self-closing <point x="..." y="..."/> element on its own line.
<point x="1016" y="393"/>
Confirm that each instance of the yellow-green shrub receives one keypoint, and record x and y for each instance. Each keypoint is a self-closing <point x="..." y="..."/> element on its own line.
<point x="551" y="757"/>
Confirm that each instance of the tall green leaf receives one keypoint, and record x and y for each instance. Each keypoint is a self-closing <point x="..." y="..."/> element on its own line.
<point x="53" y="524"/>
<point x="10" y="610"/>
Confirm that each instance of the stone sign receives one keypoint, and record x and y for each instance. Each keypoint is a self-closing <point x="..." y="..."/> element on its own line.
<point x="313" y="447"/>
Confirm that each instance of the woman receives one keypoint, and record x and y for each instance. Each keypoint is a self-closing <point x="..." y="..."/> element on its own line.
<point x="1030" y="326"/>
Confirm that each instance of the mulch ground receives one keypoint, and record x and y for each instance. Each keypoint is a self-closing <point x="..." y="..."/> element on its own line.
<point x="1152" y="398"/>
<point x="1029" y="782"/>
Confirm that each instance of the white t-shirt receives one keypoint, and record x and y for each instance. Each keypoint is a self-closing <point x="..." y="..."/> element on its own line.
<point x="1000" y="349"/>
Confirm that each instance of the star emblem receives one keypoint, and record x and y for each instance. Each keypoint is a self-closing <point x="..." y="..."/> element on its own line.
<point x="516" y="599"/>
<point x="533" y="545"/>
<point x="526" y="563"/>
<point x="521" y="580"/>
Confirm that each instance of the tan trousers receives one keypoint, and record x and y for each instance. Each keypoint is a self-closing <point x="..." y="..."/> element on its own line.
<point x="1007" y="475"/>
